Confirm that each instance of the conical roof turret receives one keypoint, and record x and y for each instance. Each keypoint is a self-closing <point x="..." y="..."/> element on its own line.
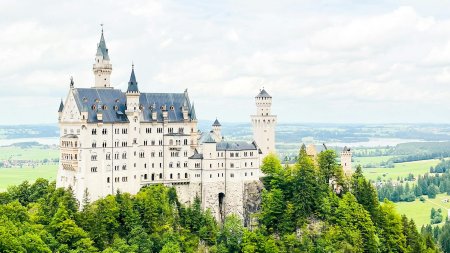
<point x="102" y="50"/>
<point x="132" y="84"/>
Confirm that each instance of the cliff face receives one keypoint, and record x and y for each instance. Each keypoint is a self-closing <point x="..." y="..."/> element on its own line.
<point x="252" y="201"/>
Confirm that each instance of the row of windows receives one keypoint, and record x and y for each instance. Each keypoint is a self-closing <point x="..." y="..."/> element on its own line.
<point x="185" y="165"/>
<point x="117" y="179"/>
<point x="71" y="131"/>
<point x="65" y="156"/>
<point x="177" y="154"/>
<point x="69" y="144"/>
<point x="171" y="176"/>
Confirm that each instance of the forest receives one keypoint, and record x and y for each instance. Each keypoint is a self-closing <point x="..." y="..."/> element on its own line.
<point x="309" y="206"/>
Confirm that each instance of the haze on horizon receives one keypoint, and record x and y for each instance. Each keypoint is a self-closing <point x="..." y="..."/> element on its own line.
<point x="322" y="61"/>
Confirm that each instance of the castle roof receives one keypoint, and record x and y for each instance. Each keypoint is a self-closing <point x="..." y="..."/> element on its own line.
<point x="216" y="123"/>
<point x="263" y="94"/>
<point x="192" y="112"/>
<point x="112" y="102"/>
<point x="101" y="48"/>
<point x="207" y="137"/>
<point x="196" y="155"/>
<point x="346" y="149"/>
<point x="132" y="84"/>
<point x="235" y="146"/>
<point x="61" y="106"/>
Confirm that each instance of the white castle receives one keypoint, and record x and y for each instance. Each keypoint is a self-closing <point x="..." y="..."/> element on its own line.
<point x="121" y="141"/>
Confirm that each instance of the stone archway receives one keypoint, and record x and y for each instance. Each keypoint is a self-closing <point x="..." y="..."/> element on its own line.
<point x="221" y="197"/>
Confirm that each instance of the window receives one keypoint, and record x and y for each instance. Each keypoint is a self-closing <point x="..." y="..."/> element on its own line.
<point x="104" y="144"/>
<point x="107" y="180"/>
<point x="94" y="145"/>
<point x="185" y="175"/>
<point x="124" y="167"/>
<point x="94" y="131"/>
<point x="93" y="169"/>
<point x="104" y="131"/>
<point x="93" y="157"/>
<point x="232" y="175"/>
<point x="171" y="176"/>
<point x="108" y="156"/>
<point x="124" y="179"/>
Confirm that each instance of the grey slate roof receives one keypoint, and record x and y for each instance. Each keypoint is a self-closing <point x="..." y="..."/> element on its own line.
<point x="263" y="94"/>
<point x="61" y="106"/>
<point x="196" y="155"/>
<point x="192" y="113"/>
<point x="216" y="123"/>
<point x="235" y="146"/>
<point x="114" y="101"/>
<point x="132" y="84"/>
<point x="101" y="48"/>
<point x="207" y="138"/>
<point x="346" y="149"/>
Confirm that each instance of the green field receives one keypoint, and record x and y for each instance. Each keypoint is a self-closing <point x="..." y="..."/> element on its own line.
<point x="15" y="176"/>
<point x="400" y="170"/>
<point x="420" y="211"/>
<point x="33" y="153"/>
<point x="371" y="159"/>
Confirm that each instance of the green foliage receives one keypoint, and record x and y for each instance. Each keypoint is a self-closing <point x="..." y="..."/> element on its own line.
<point x="306" y="207"/>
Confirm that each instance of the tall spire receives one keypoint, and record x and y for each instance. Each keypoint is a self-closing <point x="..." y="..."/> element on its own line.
<point x="61" y="106"/>
<point x="132" y="84"/>
<point x="102" y="67"/>
<point x="193" y="115"/>
<point x="102" y="50"/>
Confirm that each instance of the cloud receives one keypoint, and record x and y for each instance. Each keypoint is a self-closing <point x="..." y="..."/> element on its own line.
<point x="315" y="58"/>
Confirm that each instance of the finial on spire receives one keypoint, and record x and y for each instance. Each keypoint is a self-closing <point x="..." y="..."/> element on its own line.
<point x="71" y="82"/>
<point x="101" y="26"/>
<point x="132" y="65"/>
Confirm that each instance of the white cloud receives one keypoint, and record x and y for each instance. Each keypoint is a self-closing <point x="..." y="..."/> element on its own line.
<point x="376" y="60"/>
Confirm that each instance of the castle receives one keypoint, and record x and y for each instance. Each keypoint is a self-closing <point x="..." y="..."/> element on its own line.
<point x="121" y="141"/>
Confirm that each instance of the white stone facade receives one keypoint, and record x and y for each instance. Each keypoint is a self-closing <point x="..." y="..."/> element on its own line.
<point x="120" y="141"/>
<point x="264" y="123"/>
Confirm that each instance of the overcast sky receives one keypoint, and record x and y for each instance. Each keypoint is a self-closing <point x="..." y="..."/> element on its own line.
<point x="322" y="61"/>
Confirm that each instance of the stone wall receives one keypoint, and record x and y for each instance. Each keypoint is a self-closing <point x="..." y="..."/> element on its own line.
<point x="251" y="201"/>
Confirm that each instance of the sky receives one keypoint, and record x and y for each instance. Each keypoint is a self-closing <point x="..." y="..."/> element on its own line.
<point x="322" y="61"/>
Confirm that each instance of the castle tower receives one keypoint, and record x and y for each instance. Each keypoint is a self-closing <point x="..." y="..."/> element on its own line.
<point x="217" y="130"/>
<point x="346" y="161"/>
<point x="132" y="94"/>
<point x="102" y="68"/>
<point x="264" y="123"/>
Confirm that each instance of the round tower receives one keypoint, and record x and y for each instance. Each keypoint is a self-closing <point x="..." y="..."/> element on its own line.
<point x="346" y="161"/>
<point x="264" y="123"/>
<point x="102" y="68"/>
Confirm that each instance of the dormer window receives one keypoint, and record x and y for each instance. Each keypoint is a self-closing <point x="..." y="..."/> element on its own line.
<point x="97" y="100"/>
<point x="85" y="99"/>
<point x="104" y="107"/>
<point x="117" y="100"/>
<point x="116" y="107"/>
<point x="172" y="108"/>
<point x="94" y="107"/>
